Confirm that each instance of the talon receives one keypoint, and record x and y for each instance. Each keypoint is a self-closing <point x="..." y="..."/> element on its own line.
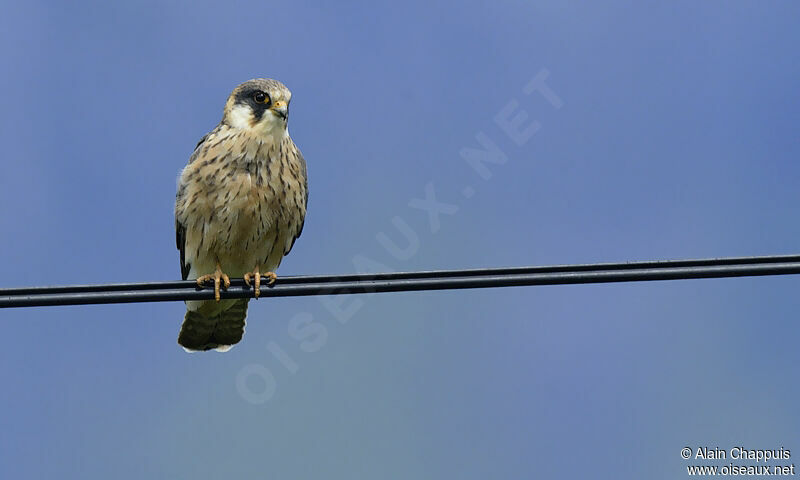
<point x="256" y="280"/>
<point x="216" y="277"/>
<point x="272" y="277"/>
<point x="216" y="286"/>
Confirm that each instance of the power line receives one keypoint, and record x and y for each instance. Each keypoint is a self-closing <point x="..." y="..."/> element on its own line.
<point x="409" y="281"/>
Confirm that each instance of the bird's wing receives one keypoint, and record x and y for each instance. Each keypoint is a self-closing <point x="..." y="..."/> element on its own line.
<point x="304" y="174"/>
<point x="180" y="229"/>
<point x="180" y="237"/>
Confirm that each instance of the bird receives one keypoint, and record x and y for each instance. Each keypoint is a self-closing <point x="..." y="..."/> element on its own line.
<point x="240" y="207"/>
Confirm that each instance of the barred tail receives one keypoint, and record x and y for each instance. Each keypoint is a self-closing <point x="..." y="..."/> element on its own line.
<point x="214" y="325"/>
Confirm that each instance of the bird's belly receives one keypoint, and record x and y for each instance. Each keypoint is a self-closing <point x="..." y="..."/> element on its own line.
<point x="240" y="224"/>
<point x="247" y="231"/>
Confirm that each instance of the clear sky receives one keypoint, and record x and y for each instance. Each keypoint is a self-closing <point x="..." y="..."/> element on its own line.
<point x="667" y="130"/>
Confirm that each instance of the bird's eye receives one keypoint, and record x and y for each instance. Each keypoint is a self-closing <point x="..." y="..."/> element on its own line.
<point x="261" y="97"/>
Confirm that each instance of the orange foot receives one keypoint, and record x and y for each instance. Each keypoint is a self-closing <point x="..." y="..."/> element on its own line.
<point x="216" y="276"/>
<point x="257" y="280"/>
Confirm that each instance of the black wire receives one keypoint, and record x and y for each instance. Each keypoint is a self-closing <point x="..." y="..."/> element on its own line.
<point x="410" y="281"/>
<point x="305" y="279"/>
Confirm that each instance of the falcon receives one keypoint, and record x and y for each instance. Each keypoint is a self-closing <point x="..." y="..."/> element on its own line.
<point x="240" y="206"/>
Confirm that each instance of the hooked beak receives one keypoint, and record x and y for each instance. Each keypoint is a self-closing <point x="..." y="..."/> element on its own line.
<point x="280" y="109"/>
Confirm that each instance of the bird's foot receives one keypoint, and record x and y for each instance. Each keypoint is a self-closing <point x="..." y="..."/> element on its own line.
<point x="218" y="276"/>
<point x="257" y="280"/>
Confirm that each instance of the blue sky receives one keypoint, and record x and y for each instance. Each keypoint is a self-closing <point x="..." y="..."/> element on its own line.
<point x="675" y="137"/>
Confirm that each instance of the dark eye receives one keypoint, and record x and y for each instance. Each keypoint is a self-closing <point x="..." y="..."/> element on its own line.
<point x="261" y="97"/>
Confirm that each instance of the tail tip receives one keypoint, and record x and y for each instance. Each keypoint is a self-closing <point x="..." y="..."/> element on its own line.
<point x="207" y="347"/>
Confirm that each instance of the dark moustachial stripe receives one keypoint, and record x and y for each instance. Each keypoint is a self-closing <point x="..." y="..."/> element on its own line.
<point x="245" y="97"/>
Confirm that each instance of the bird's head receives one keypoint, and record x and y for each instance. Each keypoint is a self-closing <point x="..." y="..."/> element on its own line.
<point x="260" y="105"/>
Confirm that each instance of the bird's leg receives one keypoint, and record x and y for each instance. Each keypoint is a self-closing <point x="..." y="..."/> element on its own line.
<point x="256" y="274"/>
<point x="216" y="276"/>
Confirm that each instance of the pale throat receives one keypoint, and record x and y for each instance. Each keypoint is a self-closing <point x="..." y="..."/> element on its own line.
<point x="269" y="128"/>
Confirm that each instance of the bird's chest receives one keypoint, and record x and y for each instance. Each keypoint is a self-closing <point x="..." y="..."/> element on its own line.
<point x="247" y="202"/>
